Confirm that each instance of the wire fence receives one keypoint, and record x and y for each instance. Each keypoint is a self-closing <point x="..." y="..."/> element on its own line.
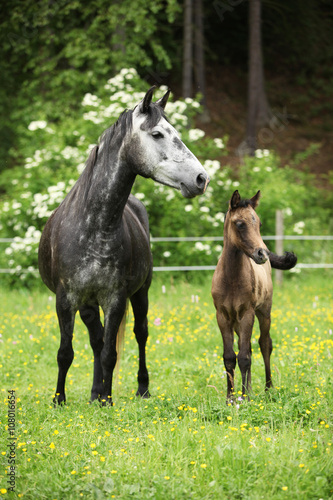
<point x="323" y="265"/>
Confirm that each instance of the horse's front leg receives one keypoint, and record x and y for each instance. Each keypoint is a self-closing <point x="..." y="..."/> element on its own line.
<point x="66" y="316"/>
<point x="139" y="303"/>
<point x="113" y="315"/>
<point x="244" y="331"/>
<point x="229" y="356"/>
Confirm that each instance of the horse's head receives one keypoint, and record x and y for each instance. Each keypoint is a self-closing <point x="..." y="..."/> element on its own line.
<point x="155" y="150"/>
<point x="242" y="227"/>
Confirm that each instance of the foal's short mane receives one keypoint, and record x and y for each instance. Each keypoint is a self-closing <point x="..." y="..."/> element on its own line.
<point x="242" y="204"/>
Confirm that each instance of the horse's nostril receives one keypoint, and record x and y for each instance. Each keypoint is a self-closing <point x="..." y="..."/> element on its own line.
<point x="201" y="181"/>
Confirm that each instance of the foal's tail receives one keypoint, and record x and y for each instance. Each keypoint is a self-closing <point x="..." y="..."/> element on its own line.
<point x="284" y="262"/>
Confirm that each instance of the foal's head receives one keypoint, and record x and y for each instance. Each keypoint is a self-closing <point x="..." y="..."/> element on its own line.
<point x="242" y="228"/>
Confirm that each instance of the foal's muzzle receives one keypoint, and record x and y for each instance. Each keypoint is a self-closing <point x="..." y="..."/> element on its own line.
<point x="260" y="255"/>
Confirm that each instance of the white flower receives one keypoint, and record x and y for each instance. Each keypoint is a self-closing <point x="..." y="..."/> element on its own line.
<point x="37" y="124"/>
<point x="219" y="216"/>
<point x="256" y="169"/>
<point x="211" y="167"/>
<point x="195" y="133"/>
<point x="140" y="196"/>
<point x="298" y="227"/>
<point x="219" y="143"/>
<point x="258" y="153"/>
<point x="91" y="100"/>
<point x="188" y="208"/>
<point x="288" y="211"/>
<point x="204" y="209"/>
<point x="166" y="254"/>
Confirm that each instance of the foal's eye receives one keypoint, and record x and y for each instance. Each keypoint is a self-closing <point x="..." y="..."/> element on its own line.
<point x="157" y="135"/>
<point x="240" y="224"/>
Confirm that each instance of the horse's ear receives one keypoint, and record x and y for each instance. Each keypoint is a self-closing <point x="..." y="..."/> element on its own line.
<point x="255" y="200"/>
<point x="145" y="103"/>
<point x="235" y="199"/>
<point x="162" y="102"/>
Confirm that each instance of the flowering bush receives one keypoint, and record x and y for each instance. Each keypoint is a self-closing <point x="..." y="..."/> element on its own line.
<point x="55" y="154"/>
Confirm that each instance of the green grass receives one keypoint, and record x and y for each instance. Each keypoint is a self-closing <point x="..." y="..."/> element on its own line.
<point x="185" y="442"/>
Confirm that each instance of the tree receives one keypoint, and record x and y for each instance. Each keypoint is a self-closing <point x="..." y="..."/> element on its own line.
<point x="194" y="74"/>
<point x="187" y="49"/>
<point x="259" y="113"/>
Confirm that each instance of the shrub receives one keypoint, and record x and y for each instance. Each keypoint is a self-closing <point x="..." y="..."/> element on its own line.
<point x="50" y="157"/>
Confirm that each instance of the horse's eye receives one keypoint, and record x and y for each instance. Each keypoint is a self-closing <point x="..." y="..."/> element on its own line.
<point x="157" y="135"/>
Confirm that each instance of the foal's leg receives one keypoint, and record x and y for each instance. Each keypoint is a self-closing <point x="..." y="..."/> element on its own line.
<point x="229" y="356"/>
<point x="266" y="345"/>
<point x="244" y="331"/>
<point x="139" y="303"/>
<point x="113" y="315"/>
<point x="66" y="316"/>
<point x="91" y="318"/>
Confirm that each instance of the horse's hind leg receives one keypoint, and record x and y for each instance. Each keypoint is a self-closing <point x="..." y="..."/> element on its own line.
<point x="139" y="303"/>
<point x="66" y="316"/>
<point x="91" y="318"/>
<point x="266" y="345"/>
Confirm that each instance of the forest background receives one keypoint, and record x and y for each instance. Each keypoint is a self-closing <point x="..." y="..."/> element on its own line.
<point x="67" y="70"/>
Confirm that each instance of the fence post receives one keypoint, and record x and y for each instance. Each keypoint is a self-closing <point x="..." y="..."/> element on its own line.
<point x="279" y="242"/>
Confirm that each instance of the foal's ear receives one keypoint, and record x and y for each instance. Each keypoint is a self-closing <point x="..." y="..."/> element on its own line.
<point x="162" y="102"/>
<point x="145" y="103"/>
<point x="235" y="199"/>
<point x="255" y="200"/>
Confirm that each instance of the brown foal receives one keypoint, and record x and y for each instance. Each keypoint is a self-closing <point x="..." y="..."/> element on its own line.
<point x="242" y="289"/>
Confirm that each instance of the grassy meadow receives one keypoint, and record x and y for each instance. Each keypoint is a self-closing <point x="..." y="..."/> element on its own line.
<point x="185" y="442"/>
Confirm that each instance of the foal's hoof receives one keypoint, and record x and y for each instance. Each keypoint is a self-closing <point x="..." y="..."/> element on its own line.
<point x="143" y="394"/>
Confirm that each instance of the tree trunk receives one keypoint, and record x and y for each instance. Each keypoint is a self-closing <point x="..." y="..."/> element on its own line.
<point x="188" y="53"/>
<point x="259" y="113"/>
<point x="200" y="74"/>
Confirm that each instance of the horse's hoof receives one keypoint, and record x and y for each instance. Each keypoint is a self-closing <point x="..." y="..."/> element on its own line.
<point x="59" y="400"/>
<point x="144" y="395"/>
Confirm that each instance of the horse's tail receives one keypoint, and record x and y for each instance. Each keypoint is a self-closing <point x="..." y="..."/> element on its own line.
<point x="120" y="339"/>
<point x="284" y="262"/>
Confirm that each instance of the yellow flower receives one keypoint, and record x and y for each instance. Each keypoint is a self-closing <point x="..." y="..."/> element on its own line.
<point x="166" y="477"/>
<point x="268" y="439"/>
<point x="52" y="446"/>
<point x="284" y="488"/>
<point x="229" y="418"/>
<point x="113" y="472"/>
<point x="3" y="491"/>
<point x="73" y="472"/>
<point x="102" y="459"/>
<point x="92" y="445"/>
<point x="203" y="466"/>
<point x="301" y="465"/>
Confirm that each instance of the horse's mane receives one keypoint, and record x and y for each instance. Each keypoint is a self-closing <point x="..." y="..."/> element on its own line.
<point x="112" y="139"/>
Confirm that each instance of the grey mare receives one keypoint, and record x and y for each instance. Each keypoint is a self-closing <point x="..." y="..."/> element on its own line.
<point x="95" y="250"/>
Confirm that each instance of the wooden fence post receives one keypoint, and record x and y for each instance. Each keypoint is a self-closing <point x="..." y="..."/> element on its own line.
<point x="279" y="242"/>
